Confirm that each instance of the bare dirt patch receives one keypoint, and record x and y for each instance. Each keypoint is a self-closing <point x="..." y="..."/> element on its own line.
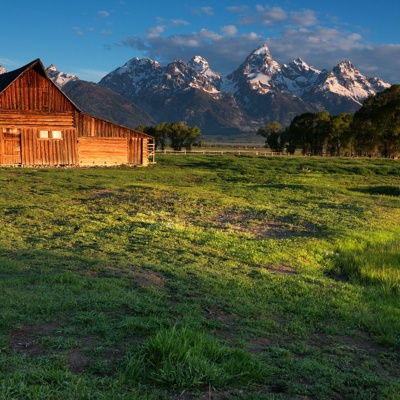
<point x="281" y="270"/>
<point x="26" y="339"/>
<point x="257" y="225"/>
<point x="139" y="278"/>
<point x="257" y="345"/>
<point x="148" y="279"/>
<point x="77" y="361"/>
<point x="357" y="343"/>
<point x="229" y="321"/>
<point x="98" y="194"/>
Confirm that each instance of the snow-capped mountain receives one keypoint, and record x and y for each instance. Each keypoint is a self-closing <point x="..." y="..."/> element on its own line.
<point x="2" y="70"/>
<point x="258" y="91"/>
<point x="256" y="73"/>
<point x="178" y="91"/>
<point x="296" y="77"/>
<point x="60" y="78"/>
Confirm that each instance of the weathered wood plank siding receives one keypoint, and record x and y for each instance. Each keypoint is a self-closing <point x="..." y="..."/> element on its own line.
<point x="14" y="119"/>
<point x="39" y="125"/>
<point x="102" y="151"/>
<point x="37" y="151"/>
<point x="34" y="92"/>
<point x="135" y="150"/>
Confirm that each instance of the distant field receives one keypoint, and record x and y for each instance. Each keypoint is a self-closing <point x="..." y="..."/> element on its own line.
<point x="209" y="277"/>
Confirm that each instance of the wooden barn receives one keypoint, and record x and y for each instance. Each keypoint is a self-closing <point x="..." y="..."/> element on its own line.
<point x="41" y="126"/>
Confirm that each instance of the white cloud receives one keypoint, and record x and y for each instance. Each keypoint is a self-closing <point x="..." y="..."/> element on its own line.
<point x="78" y="30"/>
<point x="103" y="14"/>
<point x="273" y="16"/>
<point x="224" y="53"/>
<point x="178" y="22"/>
<point x="237" y="9"/>
<point x="229" y="30"/>
<point x="290" y="34"/>
<point x="155" y="32"/>
<point x="207" y="10"/>
<point x="206" y="33"/>
<point x="304" y="18"/>
<point x="9" y="63"/>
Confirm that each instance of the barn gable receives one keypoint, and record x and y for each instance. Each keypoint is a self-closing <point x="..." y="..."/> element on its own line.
<point x="40" y="125"/>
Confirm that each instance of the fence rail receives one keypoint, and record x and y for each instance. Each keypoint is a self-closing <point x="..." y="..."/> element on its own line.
<point x="221" y="152"/>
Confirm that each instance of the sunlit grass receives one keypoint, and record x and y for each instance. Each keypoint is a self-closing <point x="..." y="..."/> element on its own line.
<point x="173" y="279"/>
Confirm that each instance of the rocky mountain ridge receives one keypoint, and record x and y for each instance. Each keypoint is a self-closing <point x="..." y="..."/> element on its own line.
<point x="260" y="90"/>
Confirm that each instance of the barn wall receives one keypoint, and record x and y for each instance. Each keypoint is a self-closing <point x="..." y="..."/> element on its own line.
<point x="102" y="151"/>
<point x="136" y="143"/>
<point x="25" y="147"/>
<point x="49" y="151"/>
<point x="15" y="119"/>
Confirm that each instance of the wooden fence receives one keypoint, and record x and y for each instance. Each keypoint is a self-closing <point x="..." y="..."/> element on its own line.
<point x="221" y="152"/>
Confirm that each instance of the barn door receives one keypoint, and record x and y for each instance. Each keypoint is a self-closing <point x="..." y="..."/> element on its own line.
<point x="135" y="151"/>
<point x="12" y="146"/>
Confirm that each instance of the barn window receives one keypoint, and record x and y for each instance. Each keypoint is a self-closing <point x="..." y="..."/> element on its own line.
<point x="11" y="130"/>
<point x="44" y="134"/>
<point x="56" y="134"/>
<point x="50" y="134"/>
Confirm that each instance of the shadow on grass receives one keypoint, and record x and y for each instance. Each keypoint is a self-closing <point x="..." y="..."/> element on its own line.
<point x="379" y="190"/>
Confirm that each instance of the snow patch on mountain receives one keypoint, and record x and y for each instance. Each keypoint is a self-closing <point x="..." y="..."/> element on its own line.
<point x="260" y="89"/>
<point x="60" y="78"/>
<point x="346" y="80"/>
<point x="296" y="77"/>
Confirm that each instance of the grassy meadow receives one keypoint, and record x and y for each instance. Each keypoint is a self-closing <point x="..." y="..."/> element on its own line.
<point x="202" y="277"/>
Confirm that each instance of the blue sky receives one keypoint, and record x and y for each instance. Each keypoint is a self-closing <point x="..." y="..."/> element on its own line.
<point x="90" y="38"/>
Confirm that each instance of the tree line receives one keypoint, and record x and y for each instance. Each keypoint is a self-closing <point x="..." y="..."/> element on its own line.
<point x="178" y="134"/>
<point x="374" y="129"/>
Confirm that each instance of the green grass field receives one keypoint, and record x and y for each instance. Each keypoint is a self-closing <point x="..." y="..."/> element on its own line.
<point x="202" y="277"/>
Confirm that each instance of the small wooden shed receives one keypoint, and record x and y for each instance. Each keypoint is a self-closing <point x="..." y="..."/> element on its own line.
<point x="41" y="126"/>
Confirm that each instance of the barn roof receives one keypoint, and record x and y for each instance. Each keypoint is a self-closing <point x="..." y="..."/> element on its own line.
<point x="8" y="78"/>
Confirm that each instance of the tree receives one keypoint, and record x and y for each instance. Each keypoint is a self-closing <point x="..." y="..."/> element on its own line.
<point x="299" y="133"/>
<point x="320" y="132"/>
<point x="181" y="135"/>
<point x="340" y="137"/>
<point x="272" y="133"/>
<point x="308" y="131"/>
<point x="160" y="135"/>
<point x="377" y="123"/>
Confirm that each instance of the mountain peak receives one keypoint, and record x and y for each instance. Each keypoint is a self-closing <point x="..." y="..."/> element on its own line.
<point x="262" y="50"/>
<point x="346" y="64"/>
<point x="2" y="70"/>
<point x="52" y="67"/>
<point x="199" y="63"/>
<point x="300" y="66"/>
<point x="260" y="60"/>
<point x="60" y="78"/>
<point x="136" y="62"/>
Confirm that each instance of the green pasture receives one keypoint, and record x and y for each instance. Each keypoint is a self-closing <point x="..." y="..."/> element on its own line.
<point x="201" y="277"/>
